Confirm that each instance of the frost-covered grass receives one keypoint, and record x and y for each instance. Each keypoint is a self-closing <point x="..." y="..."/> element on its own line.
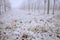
<point x="25" y="25"/>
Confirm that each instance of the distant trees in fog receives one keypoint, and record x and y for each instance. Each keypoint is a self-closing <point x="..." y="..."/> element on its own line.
<point x="49" y="6"/>
<point x="4" y="6"/>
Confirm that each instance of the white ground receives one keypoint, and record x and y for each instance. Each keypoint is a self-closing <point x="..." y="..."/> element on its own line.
<point x="36" y="26"/>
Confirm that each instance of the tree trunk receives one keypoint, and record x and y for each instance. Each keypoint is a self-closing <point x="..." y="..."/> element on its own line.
<point x="44" y="6"/>
<point x="54" y="7"/>
<point x="48" y="6"/>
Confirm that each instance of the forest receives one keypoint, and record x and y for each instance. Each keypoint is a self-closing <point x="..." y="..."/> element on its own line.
<point x="29" y="19"/>
<point x="45" y="5"/>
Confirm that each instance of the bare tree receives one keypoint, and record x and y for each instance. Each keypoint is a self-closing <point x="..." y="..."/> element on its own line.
<point x="44" y="6"/>
<point x="7" y="5"/>
<point x="0" y="7"/>
<point x="4" y="6"/>
<point x="48" y="6"/>
<point x="54" y="7"/>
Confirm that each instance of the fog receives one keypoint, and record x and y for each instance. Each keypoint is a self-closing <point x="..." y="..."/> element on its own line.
<point x="16" y="3"/>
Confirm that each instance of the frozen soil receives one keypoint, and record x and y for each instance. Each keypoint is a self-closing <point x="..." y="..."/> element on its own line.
<point x="23" y="25"/>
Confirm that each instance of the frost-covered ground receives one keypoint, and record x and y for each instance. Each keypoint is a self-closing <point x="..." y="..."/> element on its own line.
<point x="26" y="25"/>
